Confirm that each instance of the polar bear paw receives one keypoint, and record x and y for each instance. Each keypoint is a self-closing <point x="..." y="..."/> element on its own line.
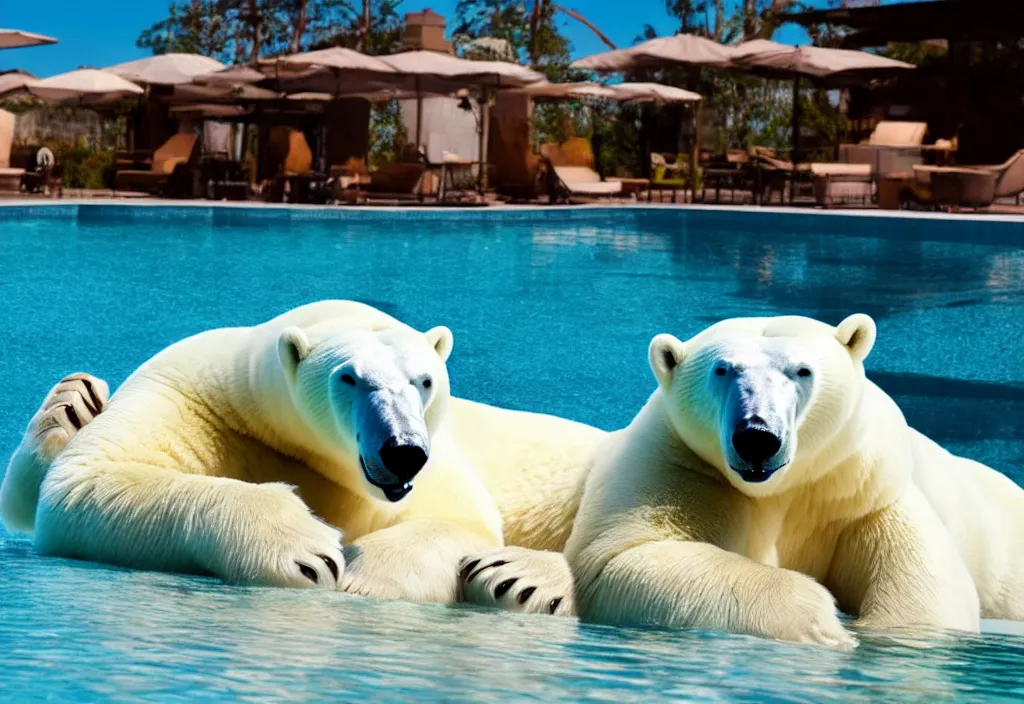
<point x="517" y="579"/>
<point x="800" y="610"/>
<point x="71" y="405"/>
<point x="284" y="544"/>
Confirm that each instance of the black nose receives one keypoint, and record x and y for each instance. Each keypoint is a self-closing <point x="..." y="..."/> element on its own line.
<point x="755" y="443"/>
<point x="404" y="461"/>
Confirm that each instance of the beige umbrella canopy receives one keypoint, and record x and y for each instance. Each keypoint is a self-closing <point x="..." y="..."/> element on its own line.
<point x="780" y="61"/>
<point x="654" y="93"/>
<point x="659" y="53"/>
<point x="230" y="75"/>
<point x="335" y="57"/>
<point x="226" y="92"/>
<point x="495" y="74"/>
<point x="88" y="86"/>
<point x="16" y="39"/>
<point x="567" y="91"/>
<point x="166" y="69"/>
<point x="14" y="81"/>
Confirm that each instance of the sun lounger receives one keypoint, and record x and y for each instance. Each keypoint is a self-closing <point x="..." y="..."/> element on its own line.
<point x="179" y="149"/>
<point x="894" y="146"/>
<point x="584" y="181"/>
<point x="970" y="186"/>
<point x="10" y="178"/>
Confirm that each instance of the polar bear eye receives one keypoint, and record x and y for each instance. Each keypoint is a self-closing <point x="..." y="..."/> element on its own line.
<point x="347" y="379"/>
<point x="427" y="382"/>
<point x="720" y="370"/>
<point x="803" y="371"/>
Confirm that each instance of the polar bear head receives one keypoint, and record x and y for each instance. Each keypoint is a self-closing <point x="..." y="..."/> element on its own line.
<point x="373" y="399"/>
<point x="764" y="399"/>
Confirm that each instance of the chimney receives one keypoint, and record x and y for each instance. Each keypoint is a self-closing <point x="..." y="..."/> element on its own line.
<point x="425" y="31"/>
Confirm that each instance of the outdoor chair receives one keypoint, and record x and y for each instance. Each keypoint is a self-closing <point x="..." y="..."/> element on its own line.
<point x="10" y="178"/>
<point x="571" y="174"/>
<point x="969" y="186"/>
<point x="294" y="179"/>
<point x="893" y="146"/>
<point x="180" y="150"/>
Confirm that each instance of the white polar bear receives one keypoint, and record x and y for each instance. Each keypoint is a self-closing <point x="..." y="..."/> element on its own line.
<point x="764" y="477"/>
<point x="190" y="465"/>
<point x="184" y="470"/>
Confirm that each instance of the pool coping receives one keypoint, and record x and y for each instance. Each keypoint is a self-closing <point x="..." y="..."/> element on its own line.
<point x="682" y="219"/>
<point x="505" y="208"/>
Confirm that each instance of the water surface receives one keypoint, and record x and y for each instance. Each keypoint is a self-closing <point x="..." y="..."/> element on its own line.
<point x="550" y="313"/>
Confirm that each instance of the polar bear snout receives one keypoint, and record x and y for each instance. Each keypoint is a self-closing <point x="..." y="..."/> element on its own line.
<point x="757" y="446"/>
<point x="404" y="460"/>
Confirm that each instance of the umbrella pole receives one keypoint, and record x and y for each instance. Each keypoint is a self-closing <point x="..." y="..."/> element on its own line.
<point x="795" y="154"/>
<point x="485" y="120"/>
<point x="419" y="114"/>
<point x="695" y="153"/>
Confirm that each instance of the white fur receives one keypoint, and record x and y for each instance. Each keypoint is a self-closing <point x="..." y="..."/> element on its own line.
<point x="190" y="468"/>
<point x="865" y="510"/>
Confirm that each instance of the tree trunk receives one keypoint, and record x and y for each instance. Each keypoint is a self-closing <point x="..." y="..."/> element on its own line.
<point x="299" y="26"/>
<point x="719" y="19"/>
<point x="364" y="28"/>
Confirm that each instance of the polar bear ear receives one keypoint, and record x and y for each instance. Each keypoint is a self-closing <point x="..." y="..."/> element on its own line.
<point x="441" y="339"/>
<point x="665" y="354"/>
<point x="857" y="334"/>
<point x="292" y="347"/>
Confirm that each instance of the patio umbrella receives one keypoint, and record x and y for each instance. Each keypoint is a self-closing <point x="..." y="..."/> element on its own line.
<point x="684" y="49"/>
<point x="824" y="65"/>
<point x="567" y="91"/>
<point x="14" y="81"/>
<point x="231" y="74"/>
<point x="222" y="92"/>
<point x="431" y="71"/>
<point x="166" y="69"/>
<point x="16" y="39"/>
<point x="653" y="92"/>
<point x="88" y="86"/>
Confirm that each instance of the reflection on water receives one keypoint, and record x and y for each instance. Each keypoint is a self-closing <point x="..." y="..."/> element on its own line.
<point x="551" y="312"/>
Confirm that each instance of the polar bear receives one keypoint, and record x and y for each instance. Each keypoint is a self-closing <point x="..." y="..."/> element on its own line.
<point x="186" y="468"/>
<point x="766" y="479"/>
<point x="190" y="466"/>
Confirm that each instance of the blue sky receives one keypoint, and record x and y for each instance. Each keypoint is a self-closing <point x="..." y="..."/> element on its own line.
<point x="103" y="33"/>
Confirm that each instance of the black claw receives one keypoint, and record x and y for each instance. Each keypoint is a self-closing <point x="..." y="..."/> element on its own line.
<point x="331" y="565"/>
<point x="464" y="573"/>
<point x="308" y="572"/>
<point x="554" y="605"/>
<point x="96" y="405"/>
<point x="501" y="589"/>
<point x="524" y="596"/>
<point x="73" y="417"/>
<point x="497" y="563"/>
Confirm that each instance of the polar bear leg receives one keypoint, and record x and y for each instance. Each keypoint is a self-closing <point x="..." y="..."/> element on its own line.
<point x="146" y="517"/>
<point x="517" y="579"/>
<point x="697" y="585"/>
<point x="71" y="405"/>
<point x="901" y="567"/>
<point x="416" y="560"/>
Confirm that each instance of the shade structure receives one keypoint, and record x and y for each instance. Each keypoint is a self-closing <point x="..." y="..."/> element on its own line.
<point x="821" y="63"/>
<point x="87" y="86"/>
<point x="654" y="93"/>
<point x="166" y="69"/>
<point x="681" y="49"/>
<point x="493" y="74"/>
<point x="567" y="91"/>
<point x="14" y="81"/>
<point x="230" y="75"/>
<point x="335" y="57"/>
<point x="16" y="39"/>
<point x="227" y="93"/>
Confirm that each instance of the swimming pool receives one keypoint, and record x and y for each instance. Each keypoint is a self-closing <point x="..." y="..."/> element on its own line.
<point x="528" y="294"/>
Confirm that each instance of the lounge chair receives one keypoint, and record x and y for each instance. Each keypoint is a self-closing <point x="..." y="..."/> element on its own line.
<point x="893" y="146"/>
<point x="10" y="178"/>
<point x="294" y="179"/>
<point x="180" y="149"/>
<point x="571" y="171"/>
<point x="970" y="186"/>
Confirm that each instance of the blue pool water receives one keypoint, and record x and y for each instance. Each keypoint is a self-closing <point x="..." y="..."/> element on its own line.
<point x="552" y="310"/>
